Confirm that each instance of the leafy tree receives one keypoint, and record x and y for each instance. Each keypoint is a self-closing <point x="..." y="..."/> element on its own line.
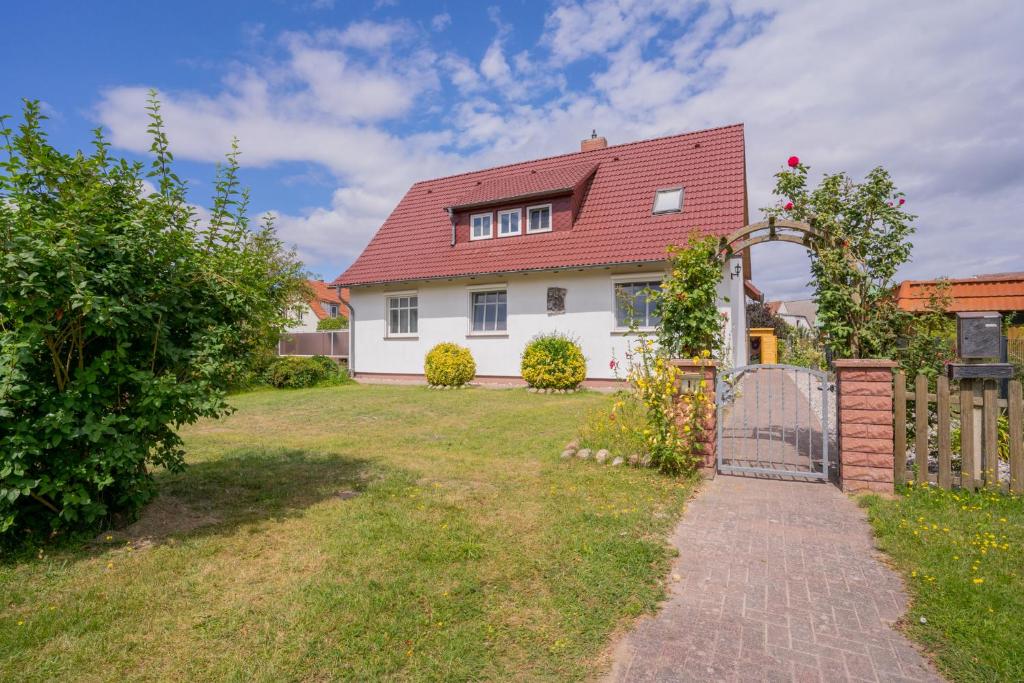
<point x="930" y="337"/>
<point x="759" y="314"/>
<point x="866" y="239"/>
<point x="688" y="301"/>
<point x="339" y="322"/>
<point x="122" y="317"/>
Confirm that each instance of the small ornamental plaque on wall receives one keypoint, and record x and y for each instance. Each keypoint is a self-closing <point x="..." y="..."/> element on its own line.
<point x="556" y="300"/>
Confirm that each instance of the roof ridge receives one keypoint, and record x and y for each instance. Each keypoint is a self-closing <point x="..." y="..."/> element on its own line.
<point x="568" y="154"/>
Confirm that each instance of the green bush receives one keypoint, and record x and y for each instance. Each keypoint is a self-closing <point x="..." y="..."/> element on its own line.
<point x="553" y="361"/>
<point x="298" y="372"/>
<point x="449" y="365"/>
<point x="327" y="324"/>
<point x="122" y="318"/>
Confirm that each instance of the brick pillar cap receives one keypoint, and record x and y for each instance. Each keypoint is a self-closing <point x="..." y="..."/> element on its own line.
<point x="861" y="363"/>
<point x="688" y="363"/>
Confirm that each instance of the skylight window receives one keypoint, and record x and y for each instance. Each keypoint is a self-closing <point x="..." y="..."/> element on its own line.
<point x="668" y="200"/>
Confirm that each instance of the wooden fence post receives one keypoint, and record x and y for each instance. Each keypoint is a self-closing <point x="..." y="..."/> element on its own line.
<point x="921" y="428"/>
<point x="1015" y="415"/>
<point x="945" y="478"/>
<point x="990" y="439"/>
<point x="899" y="426"/>
<point x="968" y="454"/>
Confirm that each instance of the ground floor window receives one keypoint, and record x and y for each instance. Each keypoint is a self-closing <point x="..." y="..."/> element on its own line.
<point x="490" y="311"/>
<point x="634" y="306"/>
<point x="403" y="315"/>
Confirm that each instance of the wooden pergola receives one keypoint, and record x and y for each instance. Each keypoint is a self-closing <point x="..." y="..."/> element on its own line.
<point x="771" y="230"/>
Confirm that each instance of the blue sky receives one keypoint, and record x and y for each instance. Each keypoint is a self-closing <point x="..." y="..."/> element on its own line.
<point x="341" y="105"/>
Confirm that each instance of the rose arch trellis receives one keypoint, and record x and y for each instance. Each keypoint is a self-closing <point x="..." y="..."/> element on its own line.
<point x="864" y="388"/>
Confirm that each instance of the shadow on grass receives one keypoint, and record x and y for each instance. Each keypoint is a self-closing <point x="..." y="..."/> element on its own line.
<point x="244" y="486"/>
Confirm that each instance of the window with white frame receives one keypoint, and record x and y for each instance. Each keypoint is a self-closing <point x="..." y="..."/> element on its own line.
<point x="508" y="222"/>
<point x="538" y="218"/>
<point x="634" y="305"/>
<point x="489" y="311"/>
<point x="403" y="315"/>
<point x="481" y="226"/>
<point x="332" y="310"/>
<point x="669" y="200"/>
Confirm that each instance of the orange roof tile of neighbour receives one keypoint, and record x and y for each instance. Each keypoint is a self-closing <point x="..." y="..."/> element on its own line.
<point x="615" y="222"/>
<point x="323" y="292"/>
<point x="996" y="292"/>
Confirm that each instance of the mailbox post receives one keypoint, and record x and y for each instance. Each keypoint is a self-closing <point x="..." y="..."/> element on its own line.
<point x="978" y="337"/>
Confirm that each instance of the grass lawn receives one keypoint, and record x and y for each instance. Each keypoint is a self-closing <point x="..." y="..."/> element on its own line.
<point x="469" y="550"/>
<point x="962" y="555"/>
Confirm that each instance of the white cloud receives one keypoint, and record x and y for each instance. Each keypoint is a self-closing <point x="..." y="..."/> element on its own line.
<point x="932" y="92"/>
<point x="441" y="21"/>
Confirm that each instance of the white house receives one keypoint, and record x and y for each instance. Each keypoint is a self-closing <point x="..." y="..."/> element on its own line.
<point x="324" y="302"/>
<point x="491" y="258"/>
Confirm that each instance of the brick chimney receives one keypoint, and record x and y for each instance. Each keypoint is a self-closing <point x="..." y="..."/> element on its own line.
<point x="593" y="142"/>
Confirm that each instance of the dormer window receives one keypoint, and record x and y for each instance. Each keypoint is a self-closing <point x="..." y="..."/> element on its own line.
<point x="538" y="218"/>
<point x="508" y="222"/>
<point x="668" y="200"/>
<point x="481" y="226"/>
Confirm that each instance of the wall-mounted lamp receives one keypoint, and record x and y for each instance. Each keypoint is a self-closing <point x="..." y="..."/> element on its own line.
<point x="737" y="270"/>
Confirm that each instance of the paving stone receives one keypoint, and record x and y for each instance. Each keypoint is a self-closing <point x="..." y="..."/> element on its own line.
<point x="779" y="581"/>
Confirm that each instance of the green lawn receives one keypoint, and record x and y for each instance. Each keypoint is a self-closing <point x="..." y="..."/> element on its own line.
<point x="470" y="552"/>
<point x="962" y="555"/>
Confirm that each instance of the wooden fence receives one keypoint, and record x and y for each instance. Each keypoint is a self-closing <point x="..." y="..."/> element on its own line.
<point x="979" y="434"/>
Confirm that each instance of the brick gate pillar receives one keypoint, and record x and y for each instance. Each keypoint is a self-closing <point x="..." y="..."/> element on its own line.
<point x="692" y="372"/>
<point x="864" y="396"/>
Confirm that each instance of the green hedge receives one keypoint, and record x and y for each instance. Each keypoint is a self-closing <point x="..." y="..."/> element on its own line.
<point x="297" y="372"/>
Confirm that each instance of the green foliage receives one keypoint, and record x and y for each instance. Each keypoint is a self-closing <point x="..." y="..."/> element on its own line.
<point x="688" y="301"/>
<point x="800" y="347"/>
<point x="620" y="430"/>
<point x="449" y="365"/>
<point x="930" y="338"/>
<point x="866" y="239"/>
<point x="553" y="361"/>
<point x="336" y="323"/>
<point x="122" y="317"/>
<point x="760" y="315"/>
<point x="298" y="372"/>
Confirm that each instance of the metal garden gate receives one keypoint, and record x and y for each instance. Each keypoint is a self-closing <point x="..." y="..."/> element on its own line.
<point x="774" y="420"/>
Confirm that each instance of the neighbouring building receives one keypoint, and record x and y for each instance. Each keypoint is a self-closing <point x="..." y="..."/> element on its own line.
<point x="324" y="302"/>
<point x="1002" y="292"/>
<point x="568" y="243"/>
<point x="800" y="313"/>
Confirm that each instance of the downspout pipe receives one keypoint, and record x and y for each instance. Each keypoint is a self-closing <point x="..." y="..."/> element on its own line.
<point x="351" y="332"/>
<point x="451" y="217"/>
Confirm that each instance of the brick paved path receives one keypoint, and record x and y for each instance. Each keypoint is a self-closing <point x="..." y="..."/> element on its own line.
<point x="778" y="581"/>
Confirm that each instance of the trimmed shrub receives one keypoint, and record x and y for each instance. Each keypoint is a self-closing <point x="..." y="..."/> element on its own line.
<point x="294" y="372"/>
<point x="553" y="361"/>
<point x="327" y="324"/>
<point x="449" y="365"/>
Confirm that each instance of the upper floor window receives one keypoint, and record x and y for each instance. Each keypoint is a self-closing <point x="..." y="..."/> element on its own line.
<point x="668" y="200"/>
<point x="332" y="310"/>
<point x="490" y="311"/>
<point x="634" y="307"/>
<point x="538" y="218"/>
<point x="403" y="315"/>
<point x="481" y="226"/>
<point x="508" y="222"/>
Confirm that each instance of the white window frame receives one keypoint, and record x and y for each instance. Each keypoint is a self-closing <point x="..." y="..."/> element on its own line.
<point x="551" y="219"/>
<point x="388" y="333"/>
<point x="333" y="310"/>
<point x="678" y="209"/>
<point x="519" y="223"/>
<point x="477" y="289"/>
<point x="617" y="280"/>
<point x="490" y="226"/>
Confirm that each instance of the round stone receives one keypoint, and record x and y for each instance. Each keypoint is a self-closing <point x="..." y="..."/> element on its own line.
<point x="583" y="454"/>
<point x="601" y="455"/>
<point x="616" y="462"/>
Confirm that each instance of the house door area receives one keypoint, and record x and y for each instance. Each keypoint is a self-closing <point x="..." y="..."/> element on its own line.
<point x="776" y="420"/>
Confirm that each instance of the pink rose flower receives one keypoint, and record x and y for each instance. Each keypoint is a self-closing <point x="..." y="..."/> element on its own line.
<point x="793" y="162"/>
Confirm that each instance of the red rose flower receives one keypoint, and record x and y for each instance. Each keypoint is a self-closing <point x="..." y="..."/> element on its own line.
<point x="788" y="206"/>
<point x="793" y="162"/>
<point x="902" y="201"/>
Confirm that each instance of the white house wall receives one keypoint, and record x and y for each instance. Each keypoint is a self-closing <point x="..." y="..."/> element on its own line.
<point x="307" y="322"/>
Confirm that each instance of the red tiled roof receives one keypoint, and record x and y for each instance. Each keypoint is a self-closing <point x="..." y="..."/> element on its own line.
<point x="615" y="223"/>
<point x="998" y="292"/>
<point x="533" y="183"/>
<point x="325" y="293"/>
